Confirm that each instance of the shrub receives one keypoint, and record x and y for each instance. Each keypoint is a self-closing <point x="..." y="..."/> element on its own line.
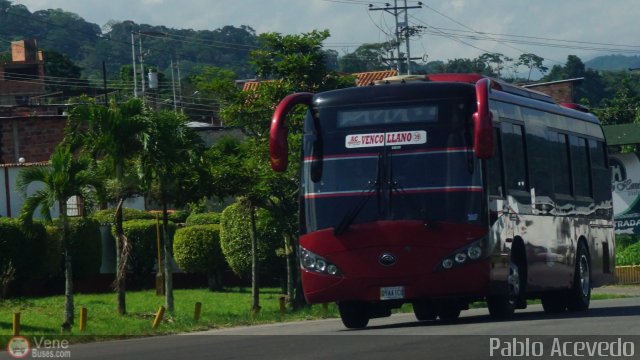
<point x="203" y="219"/>
<point x="178" y="216"/>
<point x="235" y="241"/>
<point x="85" y="245"/>
<point x="23" y="251"/>
<point x="197" y="250"/>
<point x="623" y="241"/>
<point x="107" y="216"/>
<point x="142" y="235"/>
<point x="629" y="256"/>
<point x="53" y="263"/>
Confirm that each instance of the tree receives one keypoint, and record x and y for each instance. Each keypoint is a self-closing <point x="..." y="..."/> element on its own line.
<point x="532" y="61"/>
<point x="468" y="66"/>
<point x="499" y="61"/>
<point x="170" y="161"/>
<point x="591" y="89"/>
<point x="293" y="63"/>
<point x="66" y="177"/>
<point x="113" y="136"/>
<point x="623" y="108"/>
<point x="63" y="75"/>
<point x="367" y="57"/>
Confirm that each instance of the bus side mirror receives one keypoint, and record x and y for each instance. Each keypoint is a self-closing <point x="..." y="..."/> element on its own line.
<point x="278" y="145"/>
<point x="483" y="122"/>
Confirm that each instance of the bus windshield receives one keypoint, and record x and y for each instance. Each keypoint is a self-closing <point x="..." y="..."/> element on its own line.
<point x="390" y="162"/>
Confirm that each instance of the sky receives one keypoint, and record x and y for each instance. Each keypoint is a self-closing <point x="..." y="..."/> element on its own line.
<point x="552" y="29"/>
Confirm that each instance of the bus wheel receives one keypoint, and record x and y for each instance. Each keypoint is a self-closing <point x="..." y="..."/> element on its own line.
<point x="354" y="315"/>
<point x="553" y="303"/>
<point x="579" y="295"/>
<point x="424" y="310"/>
<point x="503" y="306"/>
<point x="449" y="312"/>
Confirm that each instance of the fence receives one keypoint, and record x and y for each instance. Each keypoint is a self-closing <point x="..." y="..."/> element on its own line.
<point x="626" y="275"/>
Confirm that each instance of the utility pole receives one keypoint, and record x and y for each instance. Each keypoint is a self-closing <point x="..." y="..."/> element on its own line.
<point x="135" y="76"/>
<point x="142" y="74"/>
<point x="401" y="27"/>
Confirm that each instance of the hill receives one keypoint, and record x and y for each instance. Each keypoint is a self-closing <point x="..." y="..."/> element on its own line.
<point x="88" y="46"/>
<point x="613" y="62"/>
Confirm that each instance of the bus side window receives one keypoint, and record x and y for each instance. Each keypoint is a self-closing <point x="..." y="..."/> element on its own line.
<point x="562" y="171"/>
<point x="580" y="164"/>
<point x="514" y="157"/>
<point x="495" y="172"/>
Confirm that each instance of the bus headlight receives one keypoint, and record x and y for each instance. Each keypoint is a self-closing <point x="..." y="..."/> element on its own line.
<point x="316" y="263"/>
<point x="477" y="250"/>
<point x="474" y="252"/>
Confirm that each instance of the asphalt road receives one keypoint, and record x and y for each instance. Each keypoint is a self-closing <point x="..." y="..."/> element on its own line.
<point x="475" y="336"/>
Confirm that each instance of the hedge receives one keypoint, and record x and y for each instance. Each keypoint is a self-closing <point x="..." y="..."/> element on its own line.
<point x="85" y="245"/>
<point x="142" y="235"/>
<point x="22" y="247"/>
<point x="197" y="250"/>
<point x="629" y="255"/>
<point x="203" y="219"/>
<point x="107" y="216"/>
<point x="235" y="241"/>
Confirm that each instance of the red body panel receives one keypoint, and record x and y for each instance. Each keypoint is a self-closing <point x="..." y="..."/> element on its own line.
<point x="418" y="250"/>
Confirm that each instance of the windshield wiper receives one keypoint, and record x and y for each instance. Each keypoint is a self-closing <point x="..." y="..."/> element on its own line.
<point x="374" y="188"/>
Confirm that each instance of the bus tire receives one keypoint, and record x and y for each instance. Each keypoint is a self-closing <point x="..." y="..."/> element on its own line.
<point x="424" y="310"/>
<point x="554" y="302"/>
<point x="354" y="315"/>
<point x="449" y="312"/>
<point x="579" y="295"/>
<point x="502" y="307"/>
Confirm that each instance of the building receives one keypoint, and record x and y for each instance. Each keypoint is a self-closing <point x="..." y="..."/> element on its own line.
<point x="561" y="91"/>
<point x="23" y="77"/>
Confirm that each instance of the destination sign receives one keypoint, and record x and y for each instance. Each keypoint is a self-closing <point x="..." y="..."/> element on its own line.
<point x="386" y="139"/>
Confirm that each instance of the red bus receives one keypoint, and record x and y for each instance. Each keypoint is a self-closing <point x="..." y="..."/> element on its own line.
<point x="446" y="190"/>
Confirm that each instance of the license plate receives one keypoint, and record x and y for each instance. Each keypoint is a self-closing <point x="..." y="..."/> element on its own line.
<point x="391" y="293"/>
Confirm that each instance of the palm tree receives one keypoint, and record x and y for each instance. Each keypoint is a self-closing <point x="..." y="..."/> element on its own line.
<point x="65" y="177"/>
<point x="172" y="171"/>
<point x="114" y="136"/>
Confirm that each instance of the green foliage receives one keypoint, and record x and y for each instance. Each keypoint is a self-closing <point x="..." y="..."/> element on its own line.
<point x="142" y="237"/>
<point x="24" y="246"/>
<point x="61" y="66"/>
<point x="197" y="249"/>
<point x="621" y="108"/>
<point x="85" y="44"/>
<point x="179" y="216"/>
<point x="623" y="241"/>
<point x="106" y="216"/>
<point x="367" y="57"/>
<point x="629" y="256"/>
<point x="52" y="266"/>
<point x="298" y="61"/>
<point x="85" y="245"/>
<point x="203" y="219"/>
<point x="235" y="240"/>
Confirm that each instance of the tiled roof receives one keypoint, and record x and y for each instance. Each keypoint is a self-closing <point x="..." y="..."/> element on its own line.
<point x="362" y="79"/>
<point x="251" y="85"/>
<point x="368" y="78"/>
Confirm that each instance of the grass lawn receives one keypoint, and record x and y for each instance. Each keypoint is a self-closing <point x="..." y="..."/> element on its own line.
<point x="43" y="316"/>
